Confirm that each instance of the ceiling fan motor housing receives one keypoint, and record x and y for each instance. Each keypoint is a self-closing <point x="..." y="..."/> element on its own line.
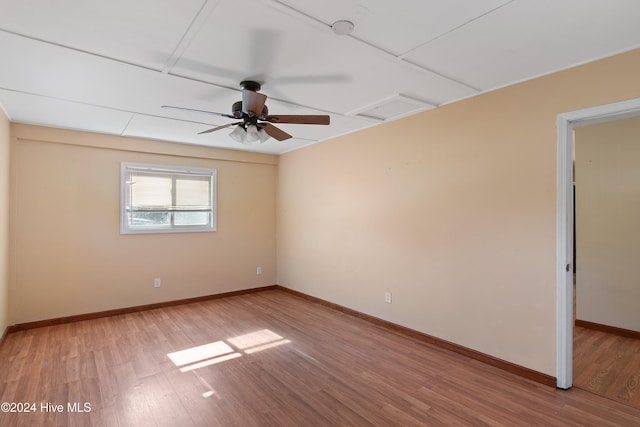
<point x="236" y="110"/>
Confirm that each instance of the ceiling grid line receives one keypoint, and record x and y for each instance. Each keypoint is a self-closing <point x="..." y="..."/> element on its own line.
<point x="72" y="101"/>
<point x="454" y="29"/>
<point x="387" y="54"/>
<point x="74" y="49"/>
<point x="198" y="21"/>
<point x="124" y="128"/>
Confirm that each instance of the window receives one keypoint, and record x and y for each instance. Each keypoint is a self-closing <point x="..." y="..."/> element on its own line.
<point x="159" y="199"/>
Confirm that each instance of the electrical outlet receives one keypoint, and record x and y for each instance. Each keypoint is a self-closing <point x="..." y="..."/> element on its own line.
<point x="259" y="270"/>
<point x="387" y="297"/>
<point x="156" y="282"/>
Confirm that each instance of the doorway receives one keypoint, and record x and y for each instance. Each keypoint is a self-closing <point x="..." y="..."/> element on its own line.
<point x="606" y="345"/>
<point x="564" y="224"/>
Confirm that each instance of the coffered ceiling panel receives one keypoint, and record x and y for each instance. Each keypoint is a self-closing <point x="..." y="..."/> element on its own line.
<point x="130" y="31"/>
<point x="46" y="111"/>
<point x="397" y="26"/>
<point x="110" y="66"/>
<point x="526" y="39"/>
<point x="302" y="62"/>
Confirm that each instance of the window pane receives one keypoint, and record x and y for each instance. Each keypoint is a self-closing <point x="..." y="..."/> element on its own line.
<point x="150" y="191"/>
<point x="149" y="219"/>
<point x="193" y="191"/>
<point x="191" y="218"/>
<point x="159" y="198"/>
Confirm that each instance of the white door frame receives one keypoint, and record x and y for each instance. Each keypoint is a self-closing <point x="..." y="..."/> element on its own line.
<point x="564" y="224"/>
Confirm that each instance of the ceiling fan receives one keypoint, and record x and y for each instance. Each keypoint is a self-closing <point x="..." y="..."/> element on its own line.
<point x="256" y="125"/>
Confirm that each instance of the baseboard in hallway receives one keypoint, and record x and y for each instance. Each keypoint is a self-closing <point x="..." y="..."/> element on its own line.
<point x="608" y="329"/>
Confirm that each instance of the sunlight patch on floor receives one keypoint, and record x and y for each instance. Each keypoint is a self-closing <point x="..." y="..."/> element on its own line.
<point x="199" y="353"/>
<point x="212" y="353"/>
<point x="257" y="341"/>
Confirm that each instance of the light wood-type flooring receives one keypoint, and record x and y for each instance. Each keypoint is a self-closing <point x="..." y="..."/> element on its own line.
<point x="268" y="359"/>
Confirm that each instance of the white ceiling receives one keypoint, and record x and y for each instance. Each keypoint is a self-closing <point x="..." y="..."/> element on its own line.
<point x="108" y="66"/>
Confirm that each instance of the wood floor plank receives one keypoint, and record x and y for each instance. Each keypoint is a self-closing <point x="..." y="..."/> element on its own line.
<point x="272" y="359"/>
<point x="607" y="364"/>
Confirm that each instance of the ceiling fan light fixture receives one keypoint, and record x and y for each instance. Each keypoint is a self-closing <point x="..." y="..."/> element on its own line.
<point x="238" y="134"/>
<point x="252" y="134"/>
<point x="263" y="135"/>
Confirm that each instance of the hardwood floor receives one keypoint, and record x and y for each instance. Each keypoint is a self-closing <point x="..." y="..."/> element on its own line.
<point x="268" y="358"/>
<point x="607" y="364"/>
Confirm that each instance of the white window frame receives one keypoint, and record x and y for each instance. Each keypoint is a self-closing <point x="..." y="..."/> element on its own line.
<point x="126" y="228"/>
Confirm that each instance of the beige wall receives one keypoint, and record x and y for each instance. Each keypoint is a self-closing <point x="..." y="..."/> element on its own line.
<point x="69" y="257"/>
<point x="452" y="210"/>
<point x="4" y="221"/>
<point x="608" y="233"/>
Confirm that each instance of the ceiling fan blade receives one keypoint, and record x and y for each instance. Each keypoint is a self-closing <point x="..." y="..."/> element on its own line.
<point x="219" y="127"/>
<point x="253" y="102"/>
<point x="199" y="111"/>
<point x="275" y="132"/>
<point x="299" y="120"/>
